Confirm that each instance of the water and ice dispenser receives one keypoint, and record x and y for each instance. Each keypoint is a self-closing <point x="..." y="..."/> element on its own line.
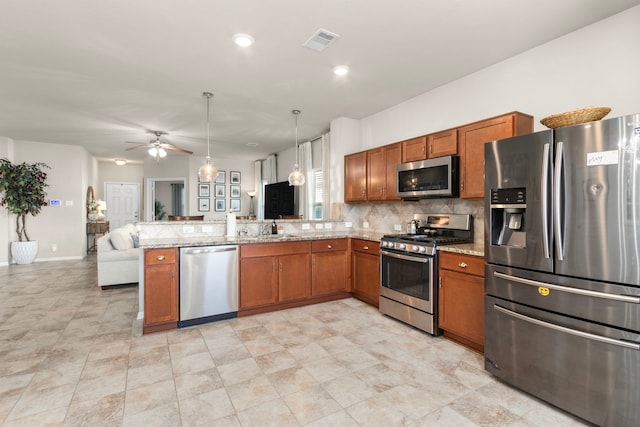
<point x="508" y="217"/>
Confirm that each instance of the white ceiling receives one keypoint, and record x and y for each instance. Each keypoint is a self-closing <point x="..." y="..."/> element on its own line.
<point x="98" y="73"/>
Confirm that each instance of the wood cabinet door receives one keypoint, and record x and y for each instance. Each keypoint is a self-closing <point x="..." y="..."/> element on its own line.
<point x="461" y="305"/>
<point x="414" y="149"/>
<point x="471" y="143"/>
<point x="443" y="143"/>
<point x="258" y="281"/>
<point x="365" y="273"/>
<point x="376" y="174"/>
<point x="293" y="277"/>
<point x="160" y="294"/>
<point x="328" y="272"/>
<point x="392" y="158"/>
<point x="355" y="177"/>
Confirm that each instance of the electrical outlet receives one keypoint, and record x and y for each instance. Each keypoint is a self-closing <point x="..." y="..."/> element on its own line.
<point x="68" y="202"/>
<point x="328" y="225"/>
<point x="188" y="229"/>
<point x="365" y="224"/>
<point x="207" y="229"/>
<point x="397" y="227"/>
<point x="348" y="224"/>
<point x="306" y="226"/>
<point x="54" y="247"/>
<point x="319" y="226"/>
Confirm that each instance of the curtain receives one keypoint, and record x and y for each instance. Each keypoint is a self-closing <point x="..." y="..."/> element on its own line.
<point x="258" y="206"/>
<point x="305" y="192"/>
<point x="270" y="169"/>
<point x="177" y="196"/>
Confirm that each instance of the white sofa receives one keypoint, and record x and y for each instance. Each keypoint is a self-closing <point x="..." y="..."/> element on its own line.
<point x="118" y="257"/>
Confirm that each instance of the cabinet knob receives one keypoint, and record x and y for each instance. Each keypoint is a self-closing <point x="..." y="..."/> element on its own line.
<point x="462" y="265"/>
<point x="366" y="248"/>
<point x="329" y="246"/>
<point x="160" y="257"/>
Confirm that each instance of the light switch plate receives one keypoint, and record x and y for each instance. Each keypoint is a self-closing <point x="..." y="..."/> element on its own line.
<point x="328" y="225"/>
<point x="397" y="227"/>
<point x="188" y="229"/>
<point x="365" y="224"/>
<point x="319" y="226"/>
<point x="348" y="224"/>
<point x="306" y="226"/>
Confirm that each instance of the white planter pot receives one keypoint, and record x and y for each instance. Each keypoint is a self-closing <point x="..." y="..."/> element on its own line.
<point x="24" y="252"/>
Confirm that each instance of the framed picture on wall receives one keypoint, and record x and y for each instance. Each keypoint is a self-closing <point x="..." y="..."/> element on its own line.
<point x="234" y="177"/>
<point x="220" y="190"/>
<point x="235" y="191"/>
<point x="235" y="205"/>
<point x="220" y="205"/>
<point x="221" y="177"/>
<point x="203" y="190"/>
<point x="203" y="205"/>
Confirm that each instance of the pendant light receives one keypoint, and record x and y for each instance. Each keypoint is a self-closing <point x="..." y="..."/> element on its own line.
<point x="207" y="171"/>
<point x="296" y="177"/>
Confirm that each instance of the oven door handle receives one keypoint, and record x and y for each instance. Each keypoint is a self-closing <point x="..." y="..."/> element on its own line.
<point x="423" y="260"/>
<point x="585" y="292"/>
<point x="566" y="330"/>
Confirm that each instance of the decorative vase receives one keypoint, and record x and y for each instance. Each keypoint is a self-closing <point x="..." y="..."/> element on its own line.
<point x="24" y="252"/>
<point x="93" y="216"/>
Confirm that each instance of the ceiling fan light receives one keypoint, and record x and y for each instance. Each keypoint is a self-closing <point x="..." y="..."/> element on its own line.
<point x="153" y="151"/>
<point x="162" y="152"/>
<point x="207" y="171"/>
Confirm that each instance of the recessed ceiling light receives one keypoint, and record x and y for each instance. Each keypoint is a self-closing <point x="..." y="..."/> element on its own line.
<point x="243" y="40"/>
<point x="252" y="144"/>
<point x="341" y="70"/>
<point x="120" y="162"/>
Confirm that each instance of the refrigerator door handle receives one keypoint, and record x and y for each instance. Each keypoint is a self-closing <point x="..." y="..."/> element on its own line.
<point x="593" y="337"/>
<point x="557" y="197"/>
<point x="585" y="292"/>
<point x="544" y="196"/>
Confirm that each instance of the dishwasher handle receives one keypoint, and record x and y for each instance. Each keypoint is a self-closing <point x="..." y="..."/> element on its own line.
<point x="209" y="250"/>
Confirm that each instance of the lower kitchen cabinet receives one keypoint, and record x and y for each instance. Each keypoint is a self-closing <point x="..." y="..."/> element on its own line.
<point x="160" y="289"/>
<point x="365" y="270"/>
<point x="272" y="273"/>
<point x="461" y="298"/>
<point x="329" y="266"/>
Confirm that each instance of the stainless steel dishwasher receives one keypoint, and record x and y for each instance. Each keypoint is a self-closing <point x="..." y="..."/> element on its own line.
<point x="208" y="284"/>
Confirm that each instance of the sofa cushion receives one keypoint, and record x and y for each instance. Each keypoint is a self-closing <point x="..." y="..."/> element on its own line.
<point x="121" y="239"/>
<point x="124" y="255"/>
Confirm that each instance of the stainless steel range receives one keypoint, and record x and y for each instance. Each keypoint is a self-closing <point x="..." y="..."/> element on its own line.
<point x="408" y="268"/>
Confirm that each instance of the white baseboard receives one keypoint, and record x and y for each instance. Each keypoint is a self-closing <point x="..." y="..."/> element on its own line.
<point x="140" y="315"/>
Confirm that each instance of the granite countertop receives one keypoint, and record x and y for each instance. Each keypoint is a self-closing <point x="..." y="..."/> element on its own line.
<point x="172" y="242"/>
<point x="476" y="249"/>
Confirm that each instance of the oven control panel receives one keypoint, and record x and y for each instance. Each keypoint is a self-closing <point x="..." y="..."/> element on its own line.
<point x="407" y="247"/>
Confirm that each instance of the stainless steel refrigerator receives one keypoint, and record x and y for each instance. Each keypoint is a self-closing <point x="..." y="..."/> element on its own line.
<point x="562" y="275"/>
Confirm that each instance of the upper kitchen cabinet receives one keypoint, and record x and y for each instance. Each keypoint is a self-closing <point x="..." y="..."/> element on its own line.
<point x="414" y="149"/>
<point x="355" y="177"/>
<point x="472" y="138"/>
<point x="443" y="143"/>
<point x="381" y="172"/>
<point x="371" y="175"/>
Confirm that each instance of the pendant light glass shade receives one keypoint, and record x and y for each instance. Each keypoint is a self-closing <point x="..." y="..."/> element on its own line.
<point x="207" y="171"/>
<point x="296" y="177"/>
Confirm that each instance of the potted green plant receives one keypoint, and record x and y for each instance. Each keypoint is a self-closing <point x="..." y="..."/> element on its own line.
<point x="22" y="187"/>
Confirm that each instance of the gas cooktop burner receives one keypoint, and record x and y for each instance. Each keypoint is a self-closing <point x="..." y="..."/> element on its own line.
<point x="435" y="229"/>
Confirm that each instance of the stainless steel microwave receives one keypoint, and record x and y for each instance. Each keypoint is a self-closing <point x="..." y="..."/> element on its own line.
<point x="430" y="178"/>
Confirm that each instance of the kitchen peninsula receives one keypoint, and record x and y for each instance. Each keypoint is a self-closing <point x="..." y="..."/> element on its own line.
<point x="310" y="262"/>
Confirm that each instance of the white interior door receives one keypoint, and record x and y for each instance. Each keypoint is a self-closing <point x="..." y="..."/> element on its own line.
<point x="123" y="203"/>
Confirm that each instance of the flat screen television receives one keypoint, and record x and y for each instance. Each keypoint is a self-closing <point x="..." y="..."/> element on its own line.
<point x="279" y="199"/>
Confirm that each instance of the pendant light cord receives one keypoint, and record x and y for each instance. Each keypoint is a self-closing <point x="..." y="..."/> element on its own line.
<point x="296" y="113"/>
<point x="208" y="95"/>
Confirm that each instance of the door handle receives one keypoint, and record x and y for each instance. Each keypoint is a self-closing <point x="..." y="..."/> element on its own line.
<point x="556" y="201"/>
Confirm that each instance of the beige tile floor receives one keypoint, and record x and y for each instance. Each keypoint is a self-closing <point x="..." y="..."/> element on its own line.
<point x="73" y="355"/>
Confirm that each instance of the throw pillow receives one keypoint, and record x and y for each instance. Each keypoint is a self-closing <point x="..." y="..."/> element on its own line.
<point x="121" y="239"/>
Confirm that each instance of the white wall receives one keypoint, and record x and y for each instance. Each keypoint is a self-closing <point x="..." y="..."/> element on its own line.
<point x="64" y="226"/>
<point x="596" y="65"/>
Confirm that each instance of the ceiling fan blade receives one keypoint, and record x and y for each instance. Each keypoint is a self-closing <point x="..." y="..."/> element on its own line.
<point x="137" y="147"/>
<point x="174" y="148"/>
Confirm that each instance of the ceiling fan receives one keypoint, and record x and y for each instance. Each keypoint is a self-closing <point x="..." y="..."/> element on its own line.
<point x="158" y="149"/>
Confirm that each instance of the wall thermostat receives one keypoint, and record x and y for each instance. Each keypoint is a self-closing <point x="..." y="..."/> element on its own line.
<point x="54" y="202"/>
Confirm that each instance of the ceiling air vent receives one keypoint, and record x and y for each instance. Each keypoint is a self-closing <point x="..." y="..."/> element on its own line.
<point x="320" y="40"/>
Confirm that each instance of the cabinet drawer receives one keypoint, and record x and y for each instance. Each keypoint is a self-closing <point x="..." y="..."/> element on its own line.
<point x="253" y="250"/>
<point x="468" y="264"/>
<point x="365" y="246"/>
<point x="329" y="245"/>
<point x="160" y="256"/>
